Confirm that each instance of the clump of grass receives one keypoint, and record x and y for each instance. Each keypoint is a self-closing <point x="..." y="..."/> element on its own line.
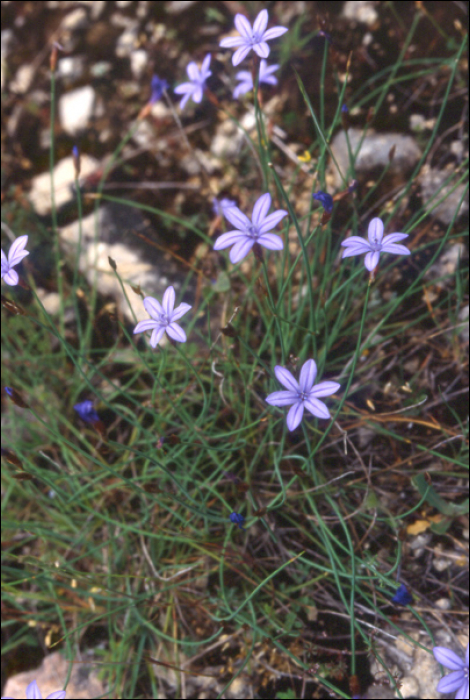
<point x="119" y="529"/>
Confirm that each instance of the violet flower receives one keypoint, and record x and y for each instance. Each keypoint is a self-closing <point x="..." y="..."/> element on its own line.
<point x="15" y="256"/>
<point x="251" y="38"/>
<point x="458" y="680"/>
<point x="302" y="394"/>
<point x="163" y="317"/>
<point x="237" y="519"/>
<point x="354" y="245"/>
<point x="247" y="232"/>
<point x="32" y="691"/>
<point x="325" y="199"/>
<point x="86" y="411"/>
<point x="265" y="76"/>
<point x="197" y="77"/>
<point x="158" y="87"/>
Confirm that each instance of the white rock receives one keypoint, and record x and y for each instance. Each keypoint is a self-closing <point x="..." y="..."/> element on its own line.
<point x="373" y="156"/>
<point x="71" y="68"/>
<point x="463" y="318"/>
<point x="146" y="266"/>
<point x="76" y="109"/>
<point x="74" y="20"/>
<point x="361" y="11"/>
<point x="139" y="62"/>
<point x="126" y="42"/>
<point x="23" y="79"/>
<point x="229" y="138"/>
<point x="64" y="176"/>
<point x="433" y="189"/>
<point x="7" y="41"/>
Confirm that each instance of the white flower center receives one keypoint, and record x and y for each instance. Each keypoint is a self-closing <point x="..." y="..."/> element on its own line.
<point x="164" y="320"/>
<point x="253" y="231"/>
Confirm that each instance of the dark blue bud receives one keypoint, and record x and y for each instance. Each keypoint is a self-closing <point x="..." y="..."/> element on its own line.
<point x="87" y="412"/>
<point x="402" y="597"/>
<point x="157" y="86"/>
<point x="237" y="519"/>
<point x="345" y="109"/>
<point x="325" y="199"/>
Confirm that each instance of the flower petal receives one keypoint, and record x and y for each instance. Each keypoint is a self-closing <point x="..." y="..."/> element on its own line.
<point x="282" y="398"/>
<point x="372" y="260"/>
<point x="180" y="311"/>
<point x="448" y="658"/>
<point x="240" y="54"/>
<point x="271" y="241"/>
<point x="153" y="308"/>
<point x="147" y="325"/>
<point x="307" y="377"/>
<point x="451" y="683"/>
<point x="244" y="75"/>
<point x="295" y="415"/>
<point x="375" y="231"/>
<point x="57" y="695"/>
<point x="32" y="690"/>
<point x="157" y="335"/>
<point x="350" y="252"/>
<point x="462" y="693"/>
<point x="243" y="26"/>
<point x="228" y="239"/>
<point x="176" y="332"/>
<point x="168" y="301"/>
<point x="274" y="32"/>
<point x="325" y="389"/>
<point x="241" y="249"/>
<point x="261" y="208"/>
<point x="205" y="72"/>
<point x="393" y="238"/>
<point x="193" y="71"/>
<point x="237" y="218"/>
<point x="317" y="408"/>
<point x="183" y="88"/>
<point x="185" y="99"/>
<point x="16" y="252"/>
<point x="395" y="248"/>
<point x="242" y="89"/>
<point x="11" y="278"/>
<point x="231" y="41"/>
<point x="285" y="378"/>
<point x="197" y="94"/>
<point x="356" y="241"/>
<point x="261" y="22"/>
<point x="272" y="220"/>
<point x="262" y="49"/>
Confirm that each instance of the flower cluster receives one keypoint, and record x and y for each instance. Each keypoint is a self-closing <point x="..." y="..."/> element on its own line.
<point x="194" y="89"/>
<point x="376" y="244"/>
<point x="302" y="394"/>
<point x="247" y="232"/>
<point x="162" y="318"/>
<point x="246" y="78"/>
<point x="255" y="37"/>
